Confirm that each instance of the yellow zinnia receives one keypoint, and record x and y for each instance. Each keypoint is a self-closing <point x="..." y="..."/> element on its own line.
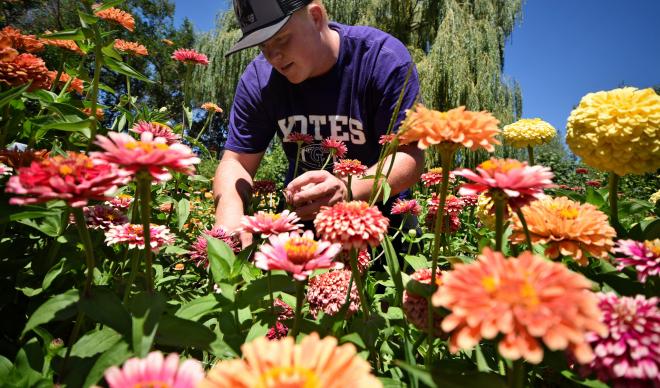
<point x="528" y="133"/>
<point x="617" y="130"/>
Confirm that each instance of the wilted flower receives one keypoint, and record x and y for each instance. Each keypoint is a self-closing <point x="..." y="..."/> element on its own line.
<point x="75" y="179"/>
<point x="268" y="224"/>
<point x="133" y="48"/>
<point x="132" y="234"/>
<point x="581" y="170"/>
<point x="263" y="187"/>
<point x="300" y="138"/>
<point x="103" y="216"/>
<point x="156" y="371"/>
<point x="643" y="256"/>
<point x="567" y="227"/>
<point x="406" y="206"/>
<point x="277" y="332"/>
<point x="334" y="146"/>
<point x="75" y="85"/>
<point x="297" y="254"/>
<point x="199" y="252"/>
<point x="327" y="292"/>
<point x="314" y="362"/>
<point x="158" y="130"/>
<point x="346" y="167"/>
<point x="151" y="154"/>
<point x="17" y="40"/>
<point x="190" y="56"/>
<point x="528" y="133"/>
<point x="353" y="224"/>
<point x="15" y="158"/>
<point x="473" y="130"/>
<point x="211" y="107"/>
<point x="24" y="68"/>
<point x="629" y="355"/>
<point x="617" y="130"/>
<point x="118" y="16"/>
<point x="526" y="299"/>
<point x="434" y="177"/>
<point x="416" y="306"/>
<point x="99" y="112"/>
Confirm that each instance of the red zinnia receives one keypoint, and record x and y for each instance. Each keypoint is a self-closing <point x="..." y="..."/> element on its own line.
<point x="346" y="167"/>
<point x="190" y="56"/>
<point x="300" y="138"/>
<point x="334" y="146"/>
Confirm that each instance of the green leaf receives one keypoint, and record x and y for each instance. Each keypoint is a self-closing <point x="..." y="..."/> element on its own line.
<point x="146" y="310"/>
<point x="82" y="126"/>
<point x="259" y="329"/>
<point x="387" y="190"/>
<point x="59" y="307"/>
<point x="5" y="367"/>
<point x="105" y="307"/>
<point x="353" y="338"/>
<point x="123" y="68"/>
<point x="7" y="96"/>
<point x="109" y="51"/>
<point x="109" y="4"/>
<point x="95" y="342"/>
<point x="221" y="258"/>
<point x="586" y="383"/>
<point x="472" y="379"/>
<point x="75" y="34"/>
<point x="183" y="333"/>
<point x="197" y="308"/>
<point x="392" y="260"/>
<point x="116" y="355"/>
<point x="594" y="197"/>
<point x="188" y="112"/>
<point x="182" y="212"/>
<point x="418" y="371"/>
<point x="87" y="20"/>
<point x="421" y="289"/>
<point x="52" y="274"/>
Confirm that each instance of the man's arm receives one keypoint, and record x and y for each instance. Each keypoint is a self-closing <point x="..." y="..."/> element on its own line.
<point x="314" y="189"/>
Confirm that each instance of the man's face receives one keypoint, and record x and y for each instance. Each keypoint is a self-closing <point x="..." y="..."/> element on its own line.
<point x="291" y="50"/>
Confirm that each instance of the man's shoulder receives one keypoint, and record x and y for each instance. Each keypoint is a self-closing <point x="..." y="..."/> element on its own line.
<point x="366" y="38"/>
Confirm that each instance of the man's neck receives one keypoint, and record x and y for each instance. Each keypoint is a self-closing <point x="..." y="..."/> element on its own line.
<point x="330" y="51"/>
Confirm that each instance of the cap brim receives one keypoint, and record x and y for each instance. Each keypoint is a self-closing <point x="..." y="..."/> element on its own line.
<point x="257" y="37"/>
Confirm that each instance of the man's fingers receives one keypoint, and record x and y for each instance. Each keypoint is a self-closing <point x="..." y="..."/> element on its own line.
<point x="309" y="211"/>
<point x="310" y="177"/>
<point x="313" y="193"/>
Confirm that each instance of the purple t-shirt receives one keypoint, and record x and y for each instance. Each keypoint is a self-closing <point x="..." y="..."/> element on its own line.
<point x="353" y="102"/>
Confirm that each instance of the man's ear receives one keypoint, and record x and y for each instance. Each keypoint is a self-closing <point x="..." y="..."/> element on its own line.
<point x="316" y="12"/>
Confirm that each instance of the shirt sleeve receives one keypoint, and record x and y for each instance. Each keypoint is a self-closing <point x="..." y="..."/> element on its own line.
<point x="249" y="131"/>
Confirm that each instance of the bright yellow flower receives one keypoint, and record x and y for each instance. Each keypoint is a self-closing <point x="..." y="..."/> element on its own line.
<point x="528" y="132"/>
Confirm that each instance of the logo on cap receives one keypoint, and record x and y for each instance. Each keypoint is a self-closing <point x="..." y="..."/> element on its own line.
<point x="244" y="12"/>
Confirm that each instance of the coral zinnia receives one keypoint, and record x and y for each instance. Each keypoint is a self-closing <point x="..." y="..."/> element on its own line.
<point x="643" y="256"/>
<point x="132" y="48"/>
<point x="567" y="227"/>
<point x="211" y="107"/>
<point x="300" y="138"/>
<point x="629" y="356"/>
<point x="190" y="56"/>
<point x="517" y="181"/>
<point x="406" y="206"/>
<point x="132" y="234"/>
<point x="24" y="68"/>
<point x="151" y="154"/>
<point x="473" y="130"/>
<point x="353" y="224"/>
<point x="297" y="254"/>
<point x="158" y="130"/>
<point x="434" y="177"/>
<point x="528" y="133"/>
<point x="199" y="253"/>
<point x="453" y="208"/>
<point x="314" y="362"/>
<point x="156" y="371"/>
<point x="527" y="299"/>
<point x="69" y="45"/>
<point x="118" y="16"/>
<point x="76" y="83"/>
<point x="624" y="123"/>
<point x="327" y="292"/>
<point x="334" y="146"/>
<point x="75" y="179"/>
<point x="385" y="139"/>
<point x="268" y="224"/>
<point x="14" y="38"/>
<point x="416" y="307"/>
<point x="346" y="167"/>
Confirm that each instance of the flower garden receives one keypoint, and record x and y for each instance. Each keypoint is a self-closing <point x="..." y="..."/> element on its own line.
<point x="115" y="275"/>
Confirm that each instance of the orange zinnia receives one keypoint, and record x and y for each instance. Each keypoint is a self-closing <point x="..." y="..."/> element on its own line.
<point x="314" y="362"/>
<point x="133" y="48"/>
<point x="473" y="130"/>
<point x="76" y="83"/>
<point x="527" y="299"/>
<point x="61" y="43"/>
<point x="567" y="227"/>
<point x="23" y="69"/>
<point x="118" y="16"/>
<point x="27" y="43"/>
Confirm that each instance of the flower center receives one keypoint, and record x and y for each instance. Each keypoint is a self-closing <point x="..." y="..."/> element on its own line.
<point x="513" y="292"/>
<point x="151" y="384"/>
<point x="289" y="377"/>
<point x="300" y="249"/>
<point x="499" y="165"/>
<point x="653" y="246"/>
<point x="147" y="147"/>
<point x="65" y="170"/>
<point x="568" y="213"/>
<point x="435" y="170"/>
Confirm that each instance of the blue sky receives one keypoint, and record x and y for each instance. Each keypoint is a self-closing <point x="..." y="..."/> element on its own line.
<point x="560" y="50"/>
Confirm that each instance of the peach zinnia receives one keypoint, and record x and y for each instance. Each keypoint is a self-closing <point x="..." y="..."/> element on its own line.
<point x="211" y="107"/>
<point x="132" y="48"/>
<point x="568" y="228"/>
<point x="314" y="362"/>
<point x="473" y="130"/>
<point x="118" y="16"/>
<point x="527" y="299"/>
<point x="297" y="254"/>
<point x="353" y="224"/>
<point x="156" y="371"/>
<point x="346" y="167"/>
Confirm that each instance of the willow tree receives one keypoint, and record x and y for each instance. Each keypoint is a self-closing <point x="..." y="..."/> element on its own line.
<point x="458" y="46"/>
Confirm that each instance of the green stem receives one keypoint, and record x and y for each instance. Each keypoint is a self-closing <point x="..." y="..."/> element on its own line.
<point x="144" y="184"/>
<point x="614" y="200"/>
<point x="359" y="283"/>
<point x="528" y="237"/>
<point x="516" y="377"/>
<point x="98" y="62"/>
<point x="530" y="153"/>
<point x="327" y="160"/>
<point x="348" y="187"/>
<point x="89" y="248"/>
<point x="135" y="262"/>
<point x="500" y="203"/>
<point x="300" y="299"/>
<point x="270" y="292"/>
<point x="206" y="124"/>
<point x="186" y="84"/>
<point x="72" y="339"/>
<point x="295" y="169"/>
<point x="128" y="91"/>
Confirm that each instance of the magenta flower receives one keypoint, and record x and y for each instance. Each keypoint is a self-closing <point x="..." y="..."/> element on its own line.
<point x="643" y="256"/>
<point x="297" y="254"/>
<point x="132" y="234"/>
<point x="629" y="355"/>
<point x="327" y="292"/>
<point x="190" y="56"/>
<point x="199" y="252"/>
<point x="283" y="310"/>
<point x="277" y="332"/>
<point x="158" y="130"/>
<point x="151" y="154"/>
<point x="268" y="224"/>
<point x="156" y="371"/>
<point x="103" y="216"/>
<point x="300" y="138"/>
<point x="263" y="187"/>
<point x="593" y="183"/>
<point x="75" y="179"/>
<point x="334" y="146"/>
<point x="581" y="170"/>
<point x="520" y="183"/>
<point x="406" y="206"/>
<point x="346" y="167"/>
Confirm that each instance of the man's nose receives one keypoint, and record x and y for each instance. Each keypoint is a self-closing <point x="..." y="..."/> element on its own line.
<point x="272" y="54"/>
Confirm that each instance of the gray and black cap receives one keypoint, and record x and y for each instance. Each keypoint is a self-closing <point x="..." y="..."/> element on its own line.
<point x="261" y="19"/>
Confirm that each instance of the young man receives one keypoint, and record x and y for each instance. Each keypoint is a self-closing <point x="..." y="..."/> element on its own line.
<point x="318" y="78"/>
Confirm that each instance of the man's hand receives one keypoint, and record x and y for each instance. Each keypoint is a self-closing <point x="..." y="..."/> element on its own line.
<point x="313" y="189"/>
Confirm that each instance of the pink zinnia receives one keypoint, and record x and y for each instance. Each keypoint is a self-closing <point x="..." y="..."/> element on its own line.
<point x="122" y="201"/>
<point x="453" y="208"/>
<point x="406" y="206"/>
<point x="643" y="256"/>
<point x="283" y="310"/>
<point x="593" y="183"/>
<point x="334" y="146"/>
<point x="469" y="199"/>
<point x="300" y="138"/>
<point x="433" y="177"/>
<point x="103" y="216"/>
<point x="327" y="292"/>
<point x="190" y="56"/>
<point x="132" y="234"/>
<point x="518" y="182"/>
<point x="158" y="130"/>
<point x="151" y="154"/>
<point x="156" y="371"/>
<point x="416" y="306"/>
<point x="363" y="259"/>
<point x="346" y="167"/>
<point x="199" y="252"/>
<point x="299" y="255"/>
<point x="384" y="139"/>
<point x="75" y="179"/>
<point x="629" y="355"/>
<point x="353" y="224"/>
<point x="268" y="224"/>
<point x="526" y="299"/>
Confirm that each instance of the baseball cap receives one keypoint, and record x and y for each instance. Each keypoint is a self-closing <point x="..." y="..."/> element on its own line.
<point x="261" y="19"/>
